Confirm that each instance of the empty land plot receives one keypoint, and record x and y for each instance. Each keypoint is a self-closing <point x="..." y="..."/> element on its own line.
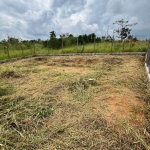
<point x="74" y="102"/>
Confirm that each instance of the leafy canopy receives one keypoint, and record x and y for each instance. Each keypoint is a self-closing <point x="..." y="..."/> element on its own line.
<point x="124" y="31"/>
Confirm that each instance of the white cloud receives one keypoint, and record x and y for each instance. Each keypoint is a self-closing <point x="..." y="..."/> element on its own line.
<point x="35" y="19"/>
<point x="92" y="28"/>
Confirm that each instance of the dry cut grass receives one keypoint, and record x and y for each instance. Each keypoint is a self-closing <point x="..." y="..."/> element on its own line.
<point x="50" y="103"/>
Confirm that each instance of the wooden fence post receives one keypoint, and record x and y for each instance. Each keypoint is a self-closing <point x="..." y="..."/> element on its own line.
<point x="47" y="46"/>
<point x="82" y="48"/>
<point x="34" y="47"/>
<point x="77" y="44"/>
<point x="22" y="49"/>
<point x="8" y="51"/>
<point x="62" y="46"/>
<point x="94" y="44"/>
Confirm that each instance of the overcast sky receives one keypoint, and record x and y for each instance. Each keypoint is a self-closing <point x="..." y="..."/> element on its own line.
<point x="33" y="19"/>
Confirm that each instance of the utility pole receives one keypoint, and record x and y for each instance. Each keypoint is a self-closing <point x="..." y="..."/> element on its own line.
<point x="34" y="47"/>
<point x="7" y="48"/>
<point x="112" y="41"/>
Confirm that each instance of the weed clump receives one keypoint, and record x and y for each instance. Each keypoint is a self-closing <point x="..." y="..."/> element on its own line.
<point x="78" y="84"/>
<point x="5" y="90"/>
<point x="54" y="90"/>
<point x="113" y="61"/>
<point x="9" y="74"/>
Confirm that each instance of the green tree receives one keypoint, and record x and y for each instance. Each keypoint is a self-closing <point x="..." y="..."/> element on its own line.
<point x="124" y="30"/>
<point x="80" y="39"/>
<point x="13" y="41"/>
<point x="52" y="34"/>
<point x="73" y="40"/>
<point x="70" y="35"/>
<point x="108" y="38"/>
<point x="90" y="38"/>
<point x="130" y="37"/>
<point x="98" y="39"/>
<point x="103" y="38"/>
<point x="55" y="43"/>
<point x="85" y="38"/>
<point x="93" y="36"/>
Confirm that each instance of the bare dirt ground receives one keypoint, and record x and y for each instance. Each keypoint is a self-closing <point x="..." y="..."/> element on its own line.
<point x="50" y="103"/>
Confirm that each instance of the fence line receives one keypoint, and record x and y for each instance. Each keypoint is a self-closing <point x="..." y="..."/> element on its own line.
<point x="37" y="48"/>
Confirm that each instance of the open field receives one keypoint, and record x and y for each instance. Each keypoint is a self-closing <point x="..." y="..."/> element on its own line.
<point x="74" y="103"/>
<point x="102" y="47"/>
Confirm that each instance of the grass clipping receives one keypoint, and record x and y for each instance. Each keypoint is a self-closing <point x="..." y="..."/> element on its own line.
<point x="94" y="102"/>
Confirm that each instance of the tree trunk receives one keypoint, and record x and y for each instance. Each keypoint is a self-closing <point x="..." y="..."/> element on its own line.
<point x="22" y="50"/>
<point x="82" y="48"/>
<point x="34" y="48"/>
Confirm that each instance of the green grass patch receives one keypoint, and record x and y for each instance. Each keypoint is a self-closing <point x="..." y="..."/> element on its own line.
<point x="102" y="47"/>
<point x="5" y="90"/>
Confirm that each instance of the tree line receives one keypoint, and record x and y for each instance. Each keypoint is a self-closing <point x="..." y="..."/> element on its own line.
<point x="69" y="40"/>
<point x="66" y="40"/>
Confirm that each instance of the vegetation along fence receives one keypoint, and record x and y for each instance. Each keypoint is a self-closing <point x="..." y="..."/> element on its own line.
<point x="13" y="49"/>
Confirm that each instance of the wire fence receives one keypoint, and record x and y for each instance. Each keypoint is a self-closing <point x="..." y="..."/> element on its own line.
<point x="9" y="51"/>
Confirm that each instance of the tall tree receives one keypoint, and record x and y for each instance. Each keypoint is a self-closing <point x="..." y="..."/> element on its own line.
<point x="89" y="38"/>
<point x="124" y="30"/>
<point x="93" y="36"/>
<point x="52" y="34"/>
<point x="70" y="35"/>
<point x="80" y="39"/>
<point x="85" y="38"/>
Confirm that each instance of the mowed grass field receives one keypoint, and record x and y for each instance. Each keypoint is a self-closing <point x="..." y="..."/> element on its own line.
<point x="74" y="103"/>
